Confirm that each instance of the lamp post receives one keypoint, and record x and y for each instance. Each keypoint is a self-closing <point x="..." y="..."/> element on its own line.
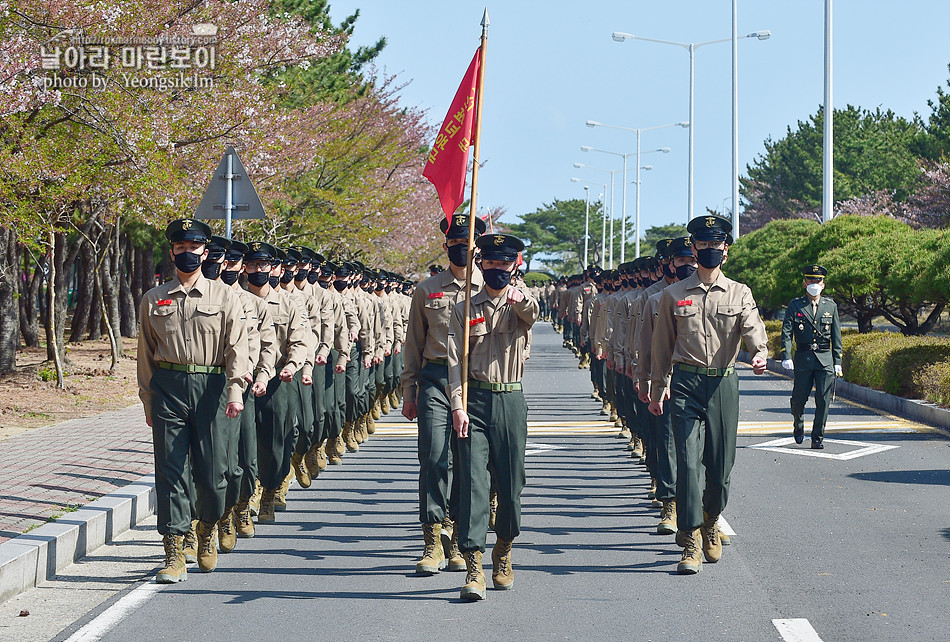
<point x="586" y="218"/>
<point x="603" y="237"/>
<point x="611" y="172"/>
<point x="665" y="150"/>
<point x="691" y="47"/>
<point x="827" y="161"/>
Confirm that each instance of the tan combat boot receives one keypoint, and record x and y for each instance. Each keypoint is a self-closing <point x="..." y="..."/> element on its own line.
<point x="624" y="431"/>
<point x="712" y="547"/>
<point x="692" y="560"/>
<point x="492" y="508"/>
<point x="605" y="410"/>
<point x="652" y="492"/>
<point x="393" y="399"/>
<point x="358" y="429"/>
<point x="227" y="536"/>
<point x="322" y="455"/>
<point x="502" y="574"/>
<point x="631" y="444"/>
<point x="175" y="570"/>
<point x="613" y="413"/>
<point x="242" y="520"/>
<point x="433" y="558"/>
<point x="456" y="561"/>
<point x="370" y="425"/>
<point x="637" y="449"/>
<point x="207" y="551"/>
<point x="347" y="435"/>
<point x="474" y="588"/>
<point x="312" y="461"/>
<point x="189" y="546"/>
<point x="384" y="404"/>
<point x="724" y="539"/>
<point x="300" y="470"/>
<point x="254" y="503"/>
<point x="280" y="497"/>
<point x="266" y="514"/>
<point x="667" y="525"/>
<point x="377" y="411"/>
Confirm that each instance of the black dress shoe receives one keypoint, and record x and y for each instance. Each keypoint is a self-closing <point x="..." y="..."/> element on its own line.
<point x="817" y="445"/>
<point x="799" y="435"/>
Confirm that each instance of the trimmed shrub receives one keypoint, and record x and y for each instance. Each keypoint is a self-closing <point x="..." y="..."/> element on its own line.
<point x="892" y="362"/>
<point x="933" y="381"/>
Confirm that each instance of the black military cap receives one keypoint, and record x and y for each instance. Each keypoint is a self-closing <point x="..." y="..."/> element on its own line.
<point x="188" y="229"/>
<point x="217" y="247"/>
<point x="661" y="246"/>
<point x="650" y="264"/>
<point x="305" y="252"/>
<point x="317" y="259"/>
<point x="499" y="247"/>
<point x="709" y="228"/>
<point x="236" y="252"/>
<point x="260" y="251"/>
<point x="292" y="257"/>
<point x="356" y="266"/>
<point x="814" y="272"/>
<point x="343" y="270"/>
<point x="680" y="247"/>
<point x="328" y="268"/>
<point x="459" y="227"/>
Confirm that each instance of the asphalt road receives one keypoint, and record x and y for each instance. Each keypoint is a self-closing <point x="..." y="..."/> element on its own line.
<point x="854" y="542"/>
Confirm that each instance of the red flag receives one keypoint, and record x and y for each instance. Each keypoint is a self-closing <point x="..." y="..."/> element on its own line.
<point x="448" y="158"/>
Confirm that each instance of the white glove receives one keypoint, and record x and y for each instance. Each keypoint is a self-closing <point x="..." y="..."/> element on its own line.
<point x="838" y="371"/>
<point x="788" y="364"/>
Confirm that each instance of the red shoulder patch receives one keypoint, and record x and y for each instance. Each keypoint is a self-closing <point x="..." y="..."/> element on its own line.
<point x="436" y="295"/>
<point x="164" y="302"/>
<point x="684" y="302"/>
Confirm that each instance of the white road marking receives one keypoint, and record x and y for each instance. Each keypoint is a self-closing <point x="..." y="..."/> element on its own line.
<point x="725" y="527"/>
<point x="796" y="630"/>
<point x="105" y="621"/>
<point x="532" y="448"/>
<point x="861" y="448"/>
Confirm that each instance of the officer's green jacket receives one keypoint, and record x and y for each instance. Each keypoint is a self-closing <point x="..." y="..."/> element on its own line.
<point x="810" y="328"/>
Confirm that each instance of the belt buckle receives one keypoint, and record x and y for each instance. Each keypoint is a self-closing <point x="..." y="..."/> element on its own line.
<point x="712" y="372"/>
<point x="497" y="387"/>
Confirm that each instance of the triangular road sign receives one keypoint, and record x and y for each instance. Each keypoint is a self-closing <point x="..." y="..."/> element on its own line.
<point x="244" y="201"/>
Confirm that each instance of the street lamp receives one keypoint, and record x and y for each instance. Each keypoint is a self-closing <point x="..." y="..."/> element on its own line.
<point x="586" y="219"/>
<point x="603" y="232"/>
<point x="665" y="150"/>
<point x="623" y="222"/>
<point x="611" y="172"/>
<point x="691" y="47"/>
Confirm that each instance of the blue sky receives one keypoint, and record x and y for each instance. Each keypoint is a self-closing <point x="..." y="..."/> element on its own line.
<point x="553" y="65"/>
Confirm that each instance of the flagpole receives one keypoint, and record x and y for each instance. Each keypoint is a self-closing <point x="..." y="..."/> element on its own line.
<point x="479" y="93"/>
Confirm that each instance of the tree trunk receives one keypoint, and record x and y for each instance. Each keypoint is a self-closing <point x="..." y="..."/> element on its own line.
<point x="148" y="270"/>
<point x="9" y="287"/>
<point x="29" y="303"/>
<point x="127" y="303"/>
<point x="108" y="284"/>
<point x="84" y="293"/>
<point x="56" y="297"/>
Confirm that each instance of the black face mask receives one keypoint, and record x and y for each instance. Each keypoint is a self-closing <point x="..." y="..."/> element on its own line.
<point x="496" y="279"/>
<point x="668" y="271"/>
<point x="709" y="257"/>
<point x="274" y="281"/>
<point x="258" y="279"/>
<point x="339" y="285"/>
<point x="286" y="277"/>
<point x="230" y="277"/>
<point x="301" y="275"/>
<point x="210" y="270"/>
<point x="187" y="262"/>
<point x="683" y="272"/>
<point x="380" y="287"/>
<point x="458" y="254"/>
<point x="389" y="289"/>
<point x="313" y="276"/>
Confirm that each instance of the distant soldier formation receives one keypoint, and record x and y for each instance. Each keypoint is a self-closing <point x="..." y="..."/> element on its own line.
<point x="258" y="365"/>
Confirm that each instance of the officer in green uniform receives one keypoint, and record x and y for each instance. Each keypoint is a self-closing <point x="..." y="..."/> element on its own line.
<point x="492" y="431"/>
<point x="192" y="358"/>
<point x="812" y="321"/>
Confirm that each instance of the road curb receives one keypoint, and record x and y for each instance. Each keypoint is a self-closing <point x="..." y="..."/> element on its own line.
<point x="920" y="411"/>
<point x="36" y="556"/>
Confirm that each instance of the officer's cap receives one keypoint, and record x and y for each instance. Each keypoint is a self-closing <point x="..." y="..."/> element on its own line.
<point x="459" y="227"/>
<point x="304" y="252"/>
<point x="814" y="272"/>
<point x="499" y="247"/>
<point x="661" y="246"/>
<point x="317" y="259"/>
<point x="709" y="228"/>
<point x="680" y="247"/>
<point x="328" y="268"/>
<point x="188" y="229"/>
<point x="292" y="257"/>
<point x="236" y="252"/>
<point x="217" y="246"/>
<point x="343" y="270"/>
<point x="650" y="264"/>
<point x="260" y="251"/>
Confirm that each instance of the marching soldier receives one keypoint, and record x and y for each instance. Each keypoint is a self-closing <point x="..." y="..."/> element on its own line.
<point x="492" y="431"/>
<point x="696" y="336"/>
<point x="812" y="320"/>
<point x="192" y="358"/>
<point x="424" y="381"/>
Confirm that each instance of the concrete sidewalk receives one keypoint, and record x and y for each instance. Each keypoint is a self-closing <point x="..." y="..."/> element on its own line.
<point x="52" y="471"/>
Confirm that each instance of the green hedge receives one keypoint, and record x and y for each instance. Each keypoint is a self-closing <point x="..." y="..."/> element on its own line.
<point x="913" y="367"/>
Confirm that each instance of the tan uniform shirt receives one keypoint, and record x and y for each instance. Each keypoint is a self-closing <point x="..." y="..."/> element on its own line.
<point x="307" y="309"/>
<point x="204" y="326"/>
<point x="700" y="325"/>
<point x="427" y="335"/>
<point x="262" y="348"/>
<point x="291" y="328"/>
<point x="497" y="341"/>
<point x="322" y="323"/>
<point x="644" y="340"/>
